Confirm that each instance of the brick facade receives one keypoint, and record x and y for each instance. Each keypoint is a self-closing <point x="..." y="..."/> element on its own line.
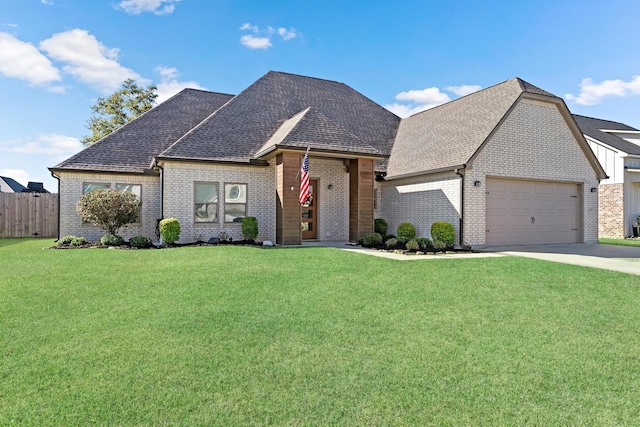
<point x="72" y="187"/>
<point x="611" y="206"/>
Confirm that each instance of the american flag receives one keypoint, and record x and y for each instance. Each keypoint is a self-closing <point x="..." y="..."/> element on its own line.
<point x="304" y="179"/>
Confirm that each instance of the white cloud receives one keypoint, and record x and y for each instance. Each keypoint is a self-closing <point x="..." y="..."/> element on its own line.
<point x="50" y="144"/>
<point x="88" y="60"/>
<point x="47" y="2"/>
<point x="287" y="34"/>
<point x="158" y="7"/>
<point x="24" y="61"/>
<point x="18" y="174"/>
<point x="592" y="93"/>
<point x="463" y="90"/>
<point x="430" y="96"/>
<point x="170" y="85"/>
<point x="404" y="110"/>
<point x="253" y="42"/>
<point x="250" y="27"/>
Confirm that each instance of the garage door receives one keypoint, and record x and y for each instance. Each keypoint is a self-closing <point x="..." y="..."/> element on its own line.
<point x="531" y="212"/>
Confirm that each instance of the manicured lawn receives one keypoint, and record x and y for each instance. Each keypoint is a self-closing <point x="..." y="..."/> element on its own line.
<point x="621" y="242"/>
<point x="238" y="336"/>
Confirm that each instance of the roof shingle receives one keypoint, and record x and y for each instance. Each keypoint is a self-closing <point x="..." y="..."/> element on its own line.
<point x="592" y="127"/>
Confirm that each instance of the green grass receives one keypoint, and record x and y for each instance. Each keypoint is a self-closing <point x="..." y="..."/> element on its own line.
<point x="620" y="242"/>
<point x="311" y="336"/>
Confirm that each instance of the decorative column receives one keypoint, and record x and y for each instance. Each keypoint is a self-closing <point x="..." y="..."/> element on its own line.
<point x="361" y="178"/>
<point x="288" y="206"/>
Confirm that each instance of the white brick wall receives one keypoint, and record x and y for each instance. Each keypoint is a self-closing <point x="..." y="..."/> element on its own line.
<point x="72" y="187"/>
<point x="421" y="201"/>
<point x="333" y="209"/>
<point x="179" y="181"/>
<point x="534" y="142"/>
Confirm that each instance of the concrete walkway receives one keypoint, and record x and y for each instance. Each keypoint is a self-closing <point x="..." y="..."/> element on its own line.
<point x="624" y="259"/>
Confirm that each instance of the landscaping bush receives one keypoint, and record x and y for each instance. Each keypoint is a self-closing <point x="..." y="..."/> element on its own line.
<point x="380" y="226"/>
<point x="66" y="240"/>
<point x="412" y="245"/>
<point x="425" y="243"/>
<point x="109" y="209"/>
<point x="170" y="230"/>
<point x="141" y="242"/>
<point x="406" y="231"/>
<point x="371" y="239"/>
<point x="111" y="240"/>
<point x="442" y="234"/>
<point x="392" y="243"/>
<point x="250" y="228"/>
<point x="78" y="241"/>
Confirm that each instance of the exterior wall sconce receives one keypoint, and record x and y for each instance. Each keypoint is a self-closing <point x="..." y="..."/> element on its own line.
<point x="330" y="186"/>
<point x="594" y="189"/>
<point x="477" y="184"/>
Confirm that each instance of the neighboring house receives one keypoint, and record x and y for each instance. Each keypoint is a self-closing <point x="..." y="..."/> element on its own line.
<point x="10" y="185"/>
<point x="617" y="147"/>
<point x="493" y="163"/>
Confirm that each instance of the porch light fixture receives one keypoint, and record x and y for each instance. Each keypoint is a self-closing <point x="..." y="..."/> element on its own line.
<point x="594" y="189"/>
<point x="477" y="184"/>
<point x="330" y="186"/>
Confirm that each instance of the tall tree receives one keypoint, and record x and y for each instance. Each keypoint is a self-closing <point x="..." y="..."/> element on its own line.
<point x="118" y="109"/>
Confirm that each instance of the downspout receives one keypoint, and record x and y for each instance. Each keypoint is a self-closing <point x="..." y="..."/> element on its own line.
<point x="58" y="178"/>
<point x="161" y="199"/>
<point x="457" y="172"/>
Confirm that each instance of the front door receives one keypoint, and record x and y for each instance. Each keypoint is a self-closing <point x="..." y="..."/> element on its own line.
<point x="309" y="220"/>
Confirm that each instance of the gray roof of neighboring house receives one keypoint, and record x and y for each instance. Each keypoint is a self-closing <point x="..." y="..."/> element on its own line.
<point x="592" y="127"/>
<point x="13" y="184"/>
<point x="449" y="135"/>
<point x="132" y="147"/>
<point x="292" y="111"/>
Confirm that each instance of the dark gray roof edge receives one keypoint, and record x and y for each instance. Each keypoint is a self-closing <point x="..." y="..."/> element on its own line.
<point x="13" y="184"/>
<point x="146" y="172"/>
<point x="248" y="162"/>
<point x="626" y="127"/>
<point x="426" y="172"/>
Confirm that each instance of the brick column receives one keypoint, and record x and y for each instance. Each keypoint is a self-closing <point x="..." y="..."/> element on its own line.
<point x="611" y="210"/>
<point x="288" y="206"/>
<point x="361" y="178"/>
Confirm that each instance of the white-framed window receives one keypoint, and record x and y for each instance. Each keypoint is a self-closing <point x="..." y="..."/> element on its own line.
<point x="205" y="197"/>
<point x="132" y="188"/>
<point x="92" y="186"/>
<point x="235" y="202"/>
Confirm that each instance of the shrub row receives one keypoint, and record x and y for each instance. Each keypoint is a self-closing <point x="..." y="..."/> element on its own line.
<point x="442" y="236"/>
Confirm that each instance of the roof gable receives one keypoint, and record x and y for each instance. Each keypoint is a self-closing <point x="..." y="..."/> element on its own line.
<point x="132" y="147"/>
<point x="592" y="127"/>
<point x="15" y="186"/>
<point x="449" y="135"/>
<point x="246" y="124"/>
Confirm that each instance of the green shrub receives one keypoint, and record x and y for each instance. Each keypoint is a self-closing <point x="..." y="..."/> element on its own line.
<point x="371" y="239"/>
<point x="406" y="232"/>
<point x="380" y="226"/>
<point x="66" y="240"/>
<point x="111" y="240"/>
<point x="141" y="242"/>
<point x="392" y="243"/>
<point x="425" y="243"/>
<point x="412" y="245"/>
<point x="109" y="209"/>
<point x="170" y="230"/>
<point x="250" y="228"/>
<point x="442" y="234"/>
<point x="78" y="241"/>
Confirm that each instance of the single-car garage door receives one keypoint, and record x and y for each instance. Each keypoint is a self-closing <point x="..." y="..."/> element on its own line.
<point x="531" y="212"/>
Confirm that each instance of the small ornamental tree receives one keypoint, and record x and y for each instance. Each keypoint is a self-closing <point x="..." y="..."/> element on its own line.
<point x="250" y="228"/>
<point x="109" y="209"/>
<point x="170" y="230"/>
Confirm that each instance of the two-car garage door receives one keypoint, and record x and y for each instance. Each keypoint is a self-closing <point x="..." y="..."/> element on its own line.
<point x="522" y="212"/>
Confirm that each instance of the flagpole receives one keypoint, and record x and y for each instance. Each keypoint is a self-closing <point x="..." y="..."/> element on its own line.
<point x="305" y="155"/>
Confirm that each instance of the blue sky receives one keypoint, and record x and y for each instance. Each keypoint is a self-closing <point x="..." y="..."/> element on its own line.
<point x="58" y="56"/>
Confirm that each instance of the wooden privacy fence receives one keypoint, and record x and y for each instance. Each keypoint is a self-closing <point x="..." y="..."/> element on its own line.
<point x="28" y="215"/>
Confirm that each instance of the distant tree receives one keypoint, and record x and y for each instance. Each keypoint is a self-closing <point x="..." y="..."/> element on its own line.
<point x="118" y="109"/>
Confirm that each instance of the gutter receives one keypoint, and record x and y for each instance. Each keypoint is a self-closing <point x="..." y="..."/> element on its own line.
<point x="457" y="172"/>
<point x="57" y="178"/>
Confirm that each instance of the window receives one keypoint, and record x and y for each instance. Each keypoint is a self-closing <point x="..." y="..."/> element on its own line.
<point x="235" y="202"/>
<point x="206" y="201"/>
<point x="131" y="188"/>
<point x="92" y="186"/>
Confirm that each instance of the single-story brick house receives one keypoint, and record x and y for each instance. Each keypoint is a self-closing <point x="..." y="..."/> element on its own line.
<point x="617" y="147"/>
<point x="505" y="165"/>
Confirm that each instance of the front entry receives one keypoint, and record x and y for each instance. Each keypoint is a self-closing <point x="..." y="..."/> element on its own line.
<point x="309" y="219"/>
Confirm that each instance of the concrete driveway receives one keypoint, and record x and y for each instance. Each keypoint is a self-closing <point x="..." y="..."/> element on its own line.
<point x="625" y="259"/>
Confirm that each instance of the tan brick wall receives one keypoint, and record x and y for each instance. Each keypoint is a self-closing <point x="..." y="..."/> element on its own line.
<point x="611" y="207"/>
<point x="421" y="201"/>
<point x="534" y="142"/>
<point x="179" y="181"/>
<point x="72" y="187"/>
<point x="333" y="209"/>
